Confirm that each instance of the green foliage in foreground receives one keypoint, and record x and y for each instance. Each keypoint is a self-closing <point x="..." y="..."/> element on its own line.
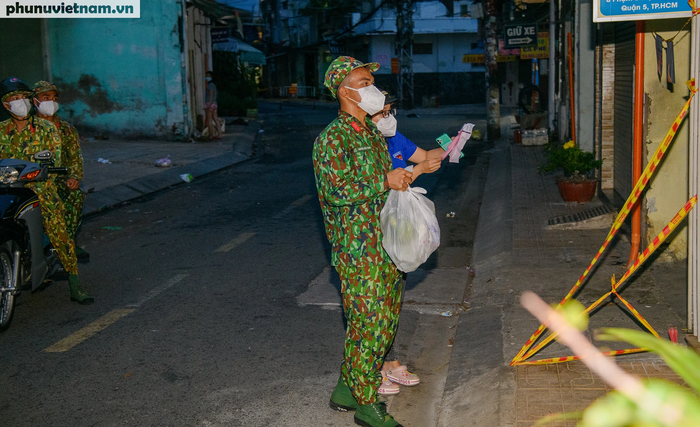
<point x="679" y="406"/>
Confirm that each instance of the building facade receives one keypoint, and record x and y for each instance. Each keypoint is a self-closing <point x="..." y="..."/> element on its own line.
<point x="134" y="77"/>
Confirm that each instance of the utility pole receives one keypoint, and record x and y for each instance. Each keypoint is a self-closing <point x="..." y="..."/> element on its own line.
<point x="404" y="51"/>
<point x="493" y="111"/>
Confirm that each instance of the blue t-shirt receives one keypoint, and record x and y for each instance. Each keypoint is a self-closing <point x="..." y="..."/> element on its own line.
<point x="400" y="149"/>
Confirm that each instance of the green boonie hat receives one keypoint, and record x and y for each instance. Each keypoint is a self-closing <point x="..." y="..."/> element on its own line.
<point x="44" y="86"/>
<point x="340" y="68"/>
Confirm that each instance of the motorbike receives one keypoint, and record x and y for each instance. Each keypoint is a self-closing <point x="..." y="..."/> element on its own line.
<point x="27" y="260"/>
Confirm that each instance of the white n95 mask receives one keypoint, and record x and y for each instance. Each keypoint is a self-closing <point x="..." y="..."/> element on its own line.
<point x="371" y="99"/>
<point x="20" y="107"/>
<point x="48" y="108"/>
<point x="387" y="126"/>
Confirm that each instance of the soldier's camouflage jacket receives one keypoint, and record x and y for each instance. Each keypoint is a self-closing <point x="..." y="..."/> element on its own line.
<point x="350" y="164"/>
<point x="71" y="155"/>
<point x="38" y="135"/>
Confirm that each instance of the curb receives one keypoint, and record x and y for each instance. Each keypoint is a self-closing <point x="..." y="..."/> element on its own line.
<point x="494" y="231"/>
<point x="475" y="391"/>
<point x="110" y="197"/>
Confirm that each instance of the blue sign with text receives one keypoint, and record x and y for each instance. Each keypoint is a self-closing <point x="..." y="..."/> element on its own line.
<point x="636" y="10"/>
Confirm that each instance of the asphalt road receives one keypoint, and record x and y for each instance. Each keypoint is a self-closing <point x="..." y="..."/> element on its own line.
<point x="196" y="321"/>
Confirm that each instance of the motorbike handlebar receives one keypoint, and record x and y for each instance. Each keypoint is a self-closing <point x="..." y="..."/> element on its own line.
<point x="58" y="171"/>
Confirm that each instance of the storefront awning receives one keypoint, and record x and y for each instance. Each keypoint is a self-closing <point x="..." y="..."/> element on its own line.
<point x="248" y="53"/>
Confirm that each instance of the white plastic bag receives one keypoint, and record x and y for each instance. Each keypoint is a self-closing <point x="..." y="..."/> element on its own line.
<point x="410" y="228"/>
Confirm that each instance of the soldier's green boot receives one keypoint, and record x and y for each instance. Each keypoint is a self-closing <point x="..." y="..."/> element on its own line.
<point x="342" y="399"/>
<point x="374" y="415"/>
<point x="76" y="291"/>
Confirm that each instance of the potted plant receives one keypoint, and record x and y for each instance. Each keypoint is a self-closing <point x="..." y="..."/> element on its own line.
<point x="578" y="183"/>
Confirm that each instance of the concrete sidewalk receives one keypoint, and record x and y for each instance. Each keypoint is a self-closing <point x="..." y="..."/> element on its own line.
<point x="515" y="251"/>
<point x="131" y="173"/>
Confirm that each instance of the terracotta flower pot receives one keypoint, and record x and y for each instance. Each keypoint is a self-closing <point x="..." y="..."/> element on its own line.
<point x="577" y="191"/>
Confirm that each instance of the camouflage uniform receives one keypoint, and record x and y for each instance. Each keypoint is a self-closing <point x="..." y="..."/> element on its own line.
<point x="41" y="135"/>
<point x="72" y="159"/>
<point x="350" y="164"/>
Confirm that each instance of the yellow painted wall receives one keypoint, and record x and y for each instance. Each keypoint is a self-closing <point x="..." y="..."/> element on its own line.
<point x="668" y="191"/>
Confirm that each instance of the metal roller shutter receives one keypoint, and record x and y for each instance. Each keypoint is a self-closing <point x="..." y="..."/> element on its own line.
<point x="624" y="109"/>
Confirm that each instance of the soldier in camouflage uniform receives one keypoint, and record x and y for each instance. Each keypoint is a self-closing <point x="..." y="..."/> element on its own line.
<point x="46" y="102"/>
<point x="353" y="176"/>
<point x="21" y="137"/>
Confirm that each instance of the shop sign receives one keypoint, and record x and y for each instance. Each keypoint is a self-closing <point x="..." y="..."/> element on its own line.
<point x="537" y="52"/>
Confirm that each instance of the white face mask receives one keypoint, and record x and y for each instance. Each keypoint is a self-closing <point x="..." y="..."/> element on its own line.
<point x="48" y="108"/>
<point x="371" y="99"/>
<point x="208" y="79"/>
<point x="20" y="107"/>
<point x="387" y="126"/>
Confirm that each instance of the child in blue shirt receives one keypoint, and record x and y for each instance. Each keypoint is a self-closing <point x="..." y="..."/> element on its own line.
<point x="401" y="150"/>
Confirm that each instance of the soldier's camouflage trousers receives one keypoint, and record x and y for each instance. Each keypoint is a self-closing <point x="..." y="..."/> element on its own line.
<point x="73" y="201"/>
<point x="53" y="213"/>
<point x="372" y="303"/>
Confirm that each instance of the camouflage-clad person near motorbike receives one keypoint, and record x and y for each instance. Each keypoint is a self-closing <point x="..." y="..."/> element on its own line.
<point x="353" y="176"/>
<point x="21" y="137"/>
<point x="46" y="102"/>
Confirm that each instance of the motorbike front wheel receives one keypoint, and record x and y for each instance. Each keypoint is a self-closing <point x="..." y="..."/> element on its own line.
<point x="7" y="300"/>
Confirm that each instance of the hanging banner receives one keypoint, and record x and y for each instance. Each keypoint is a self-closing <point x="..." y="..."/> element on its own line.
<point x="537" y="52"/>
<point x="639" y="10"/>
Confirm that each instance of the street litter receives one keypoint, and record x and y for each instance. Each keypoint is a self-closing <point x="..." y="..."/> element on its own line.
<point x="103" y="161"/>
<point x="261" y="131"/>
<point x="450" y="215"/>
<point x="413" y="116"/>
<point x="410" y="228"/>
<point x="112" y="228"/>
<point x="187" y="177"/>
<point x="164" y="162"/>
<point x="673" y="334"/>
<point x="447" y="314"/>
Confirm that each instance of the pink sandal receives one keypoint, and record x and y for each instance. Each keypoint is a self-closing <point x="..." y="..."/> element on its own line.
<point x="387" y="387"/>
<point x="401" y="376"/>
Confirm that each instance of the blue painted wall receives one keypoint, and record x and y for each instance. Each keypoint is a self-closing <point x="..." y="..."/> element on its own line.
<point x="122" y="76"/>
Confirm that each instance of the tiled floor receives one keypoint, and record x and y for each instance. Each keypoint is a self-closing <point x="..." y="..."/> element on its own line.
<point x="565" y="387"/>
<point x="536" y="199"/>
<point x="569" y="387"/>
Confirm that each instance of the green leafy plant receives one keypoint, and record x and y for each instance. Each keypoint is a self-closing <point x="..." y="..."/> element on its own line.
<point x="574" y="162"/>
<point x="679" y="406"/>
<point x="634" y="403"/>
